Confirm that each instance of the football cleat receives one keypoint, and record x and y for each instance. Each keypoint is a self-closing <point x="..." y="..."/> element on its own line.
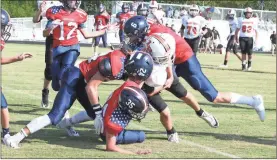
<point x="45" y="101"/>
<point x="210" y="119"/>
<point x="10" y="141"/>
<point x="258" y="105"/>
<point x="173" y="138"/>
<point x="249" y="69"/>
<point x="71" y="132"/>
<point x="223" y="66"/>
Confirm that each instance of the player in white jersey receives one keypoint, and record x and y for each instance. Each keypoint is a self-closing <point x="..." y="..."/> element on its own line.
<point x="233" y="22"/>
<point x="154" y="15"/>
<point x="191" y="27"/>
<point x="246" y="30"/>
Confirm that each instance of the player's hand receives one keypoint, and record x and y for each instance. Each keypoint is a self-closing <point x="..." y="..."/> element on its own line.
<point x="99" y="124"/>
<point x="24" y="56"/>
<point x="144" y="152"/>
<point x="168" y="82"/>
<point x="55" y="24"/>
<point x="42" y="6"/>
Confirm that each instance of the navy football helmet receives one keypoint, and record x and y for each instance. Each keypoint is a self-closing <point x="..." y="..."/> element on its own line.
<point x="134" y="102"/>
<point x="5" y="25"/>
<point x="142" y="10"/>
<point x="135" y="29"/>
<point x="70" y="4"/>
<point x="125" y="8"/>
<point x="139" y="66"/>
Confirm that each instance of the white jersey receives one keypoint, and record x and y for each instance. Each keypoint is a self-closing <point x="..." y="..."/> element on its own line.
<point x="193" y="26"/>
<point x="233" y="25"/>
<point x="158" y="76"/>
<point x="247" y="27"/>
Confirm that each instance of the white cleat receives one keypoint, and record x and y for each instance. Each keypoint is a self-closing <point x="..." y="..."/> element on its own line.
<point x="259" y="106"/>
<point x="71" y="132"/>
<point x="249" y="69"/>
<point x="210" y="119"/>
<point x="10" y="141"/>
<point x="173" y="138"/>
<point x="223" y="66"/>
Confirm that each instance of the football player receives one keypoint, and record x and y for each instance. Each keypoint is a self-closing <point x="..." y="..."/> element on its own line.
<point x="48" y="50"/>
<point x="188" y="66"/>
<point x="81" y="84"/>
<point x="233" y="22"/>
<point x="126" y="103"/>
<point x="121" y="18"/>
<point x="191" y="27"/>
<point x="154" y="15"/>
<point x="5" y="35"/>
<point x="64" y="21"/>
<point x="246" y="30"/>
<point x="101" y="22"/>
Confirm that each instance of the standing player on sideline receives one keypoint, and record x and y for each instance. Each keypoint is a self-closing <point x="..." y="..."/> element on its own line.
<point x="121" y="18"/>
<point x="233" y="22"/>
<point x="191" y="27"/>
<point x="48" y="51"/>
<point x="64" y="21"/>
<point x="188" y="67"/>
<point x="154" y="16"/>
<point x="244" y="36"/>
<point x="101" y="22"/>
<point x="5" y="35"/>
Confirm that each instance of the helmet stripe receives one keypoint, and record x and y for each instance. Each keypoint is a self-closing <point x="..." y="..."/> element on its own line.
<point x="144" y="102"/>
<point x="162" y="41"/>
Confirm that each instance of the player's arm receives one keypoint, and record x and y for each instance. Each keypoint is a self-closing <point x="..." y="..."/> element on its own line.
<point x="93" y="34"/>
<point x="111" y="144"/>
<point x="38" y="16"/>
<point x="170" y="77"/>
<point x="7" y="60"/>
<point x="237" y="31"/>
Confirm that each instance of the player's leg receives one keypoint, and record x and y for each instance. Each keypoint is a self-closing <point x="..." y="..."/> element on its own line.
<point x="235" y="51"/>
<point x="230" y="44"/>
<point x="104" y="40"/>
<point x="195" y="44"/>
<point x="47" y="71"/>
<point x="243" y="46"/>
<point x="5" y="119"/>
<point x="96" y="45"/>
<point x="249" y="53"/>
<point x="192" y="73"/>
<point x="273" y="46"/>
<point x="180" y="92"/>
<point x="63" y="101"/>
<point x="121" y="35"/>
<point x="128" y="137"/>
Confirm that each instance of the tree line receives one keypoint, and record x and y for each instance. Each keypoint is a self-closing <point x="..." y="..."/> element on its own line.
<point x="26" y="8"/>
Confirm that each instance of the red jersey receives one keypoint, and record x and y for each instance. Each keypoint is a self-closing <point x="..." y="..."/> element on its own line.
<point x="123" y="17"/>
<point x="117" y="58"/>
<point x="183" y="51"/>
<point x="101" y="21"/>
<point x="2" y="42"/>
<point x="66" y="33"/>
<point x="115" y="120"/>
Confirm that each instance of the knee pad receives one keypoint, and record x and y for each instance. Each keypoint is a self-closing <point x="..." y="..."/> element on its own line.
<point x="130" y="136"/>
<point x="47" y="73"/>
<point x="157" y="102"/>
<point x="71" y="76"/>
<point x="195" y="82"/>
<point x="178" y="90"/>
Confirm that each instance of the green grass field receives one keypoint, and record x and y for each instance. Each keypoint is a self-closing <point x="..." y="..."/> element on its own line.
<point x="240" y="135"/>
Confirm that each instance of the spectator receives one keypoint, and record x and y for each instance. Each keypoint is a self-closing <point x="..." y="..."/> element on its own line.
<point x="176" y="14"/>
<point x="215" y="38"/>
<point x="207" y="34"/>
<point x="273" y="42"/>
<point x="169" y="12"/>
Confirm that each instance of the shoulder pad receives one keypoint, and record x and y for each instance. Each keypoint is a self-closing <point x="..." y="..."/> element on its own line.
<point x="105" y="68"/>
<point x="52" y="11"/>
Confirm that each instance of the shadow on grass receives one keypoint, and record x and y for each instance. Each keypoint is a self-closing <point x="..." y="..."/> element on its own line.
<point x="229" y="137"/>
<point x="229" y="69"/>
<point x="221" y="105"/>
<point x="13" y="108"/>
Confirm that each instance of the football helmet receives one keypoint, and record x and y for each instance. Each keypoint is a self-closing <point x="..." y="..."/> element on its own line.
<point x="5" y="25"/>
<point x="125" y="8"/>
<point x="142" y="10"/>
<point x="231" y="14"/>
<point x="139" y="66"/>
<point x="71" y="5"/>
<point x="161" y="46"/>
<point x="134" y="102"/>
<point x="248" y="12"/>
<point x="193" y="10"/>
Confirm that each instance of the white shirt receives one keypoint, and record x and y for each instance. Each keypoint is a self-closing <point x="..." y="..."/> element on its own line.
<point x="193" y="26"/>
<point x="247" y="27"/>
<point x="233" y="25"/>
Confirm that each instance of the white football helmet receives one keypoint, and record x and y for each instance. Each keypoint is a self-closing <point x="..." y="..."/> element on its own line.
<point x="193" y="10"/>
<point x="231" y="14"/>
<point x="153" y="4"/>
<point x="161" y="46"/>
<point x="246" y="11"/>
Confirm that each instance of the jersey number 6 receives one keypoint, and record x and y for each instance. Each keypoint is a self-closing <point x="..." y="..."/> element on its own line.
<point x="70" y="24"/>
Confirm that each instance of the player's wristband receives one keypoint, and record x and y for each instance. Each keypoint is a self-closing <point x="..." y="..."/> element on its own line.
<point x="97" y="108"/>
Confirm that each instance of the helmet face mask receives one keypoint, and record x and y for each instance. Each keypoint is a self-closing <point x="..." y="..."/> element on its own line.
<point x="142" y="10"/>
<point x="248" y="14"/>
<point x="5" y="25"/>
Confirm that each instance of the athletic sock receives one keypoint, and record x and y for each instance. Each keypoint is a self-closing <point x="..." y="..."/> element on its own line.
<point x="172" y="131"/>
<point x="240" y="99"/>
<point x="225" y="62"/>
<point x="249" y="64"/>
<point x="5" y="131"/>
<point x="200" y="112"/>
<point x="79" y="118"/>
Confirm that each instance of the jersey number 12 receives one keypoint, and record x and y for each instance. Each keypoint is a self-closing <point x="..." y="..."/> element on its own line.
<point x="70" y="24"/>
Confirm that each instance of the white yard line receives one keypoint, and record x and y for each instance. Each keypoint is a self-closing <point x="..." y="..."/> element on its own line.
<point x="209" y="149"/>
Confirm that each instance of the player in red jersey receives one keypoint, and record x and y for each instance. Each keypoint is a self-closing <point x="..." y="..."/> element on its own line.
<point x="122" y="17"/>
<point x="5" y="35"/>
<point x="64" y="21"/>
<point x="81" y="84"/>
<point x="188" y="66"/>
<point x="101" y="22"/>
